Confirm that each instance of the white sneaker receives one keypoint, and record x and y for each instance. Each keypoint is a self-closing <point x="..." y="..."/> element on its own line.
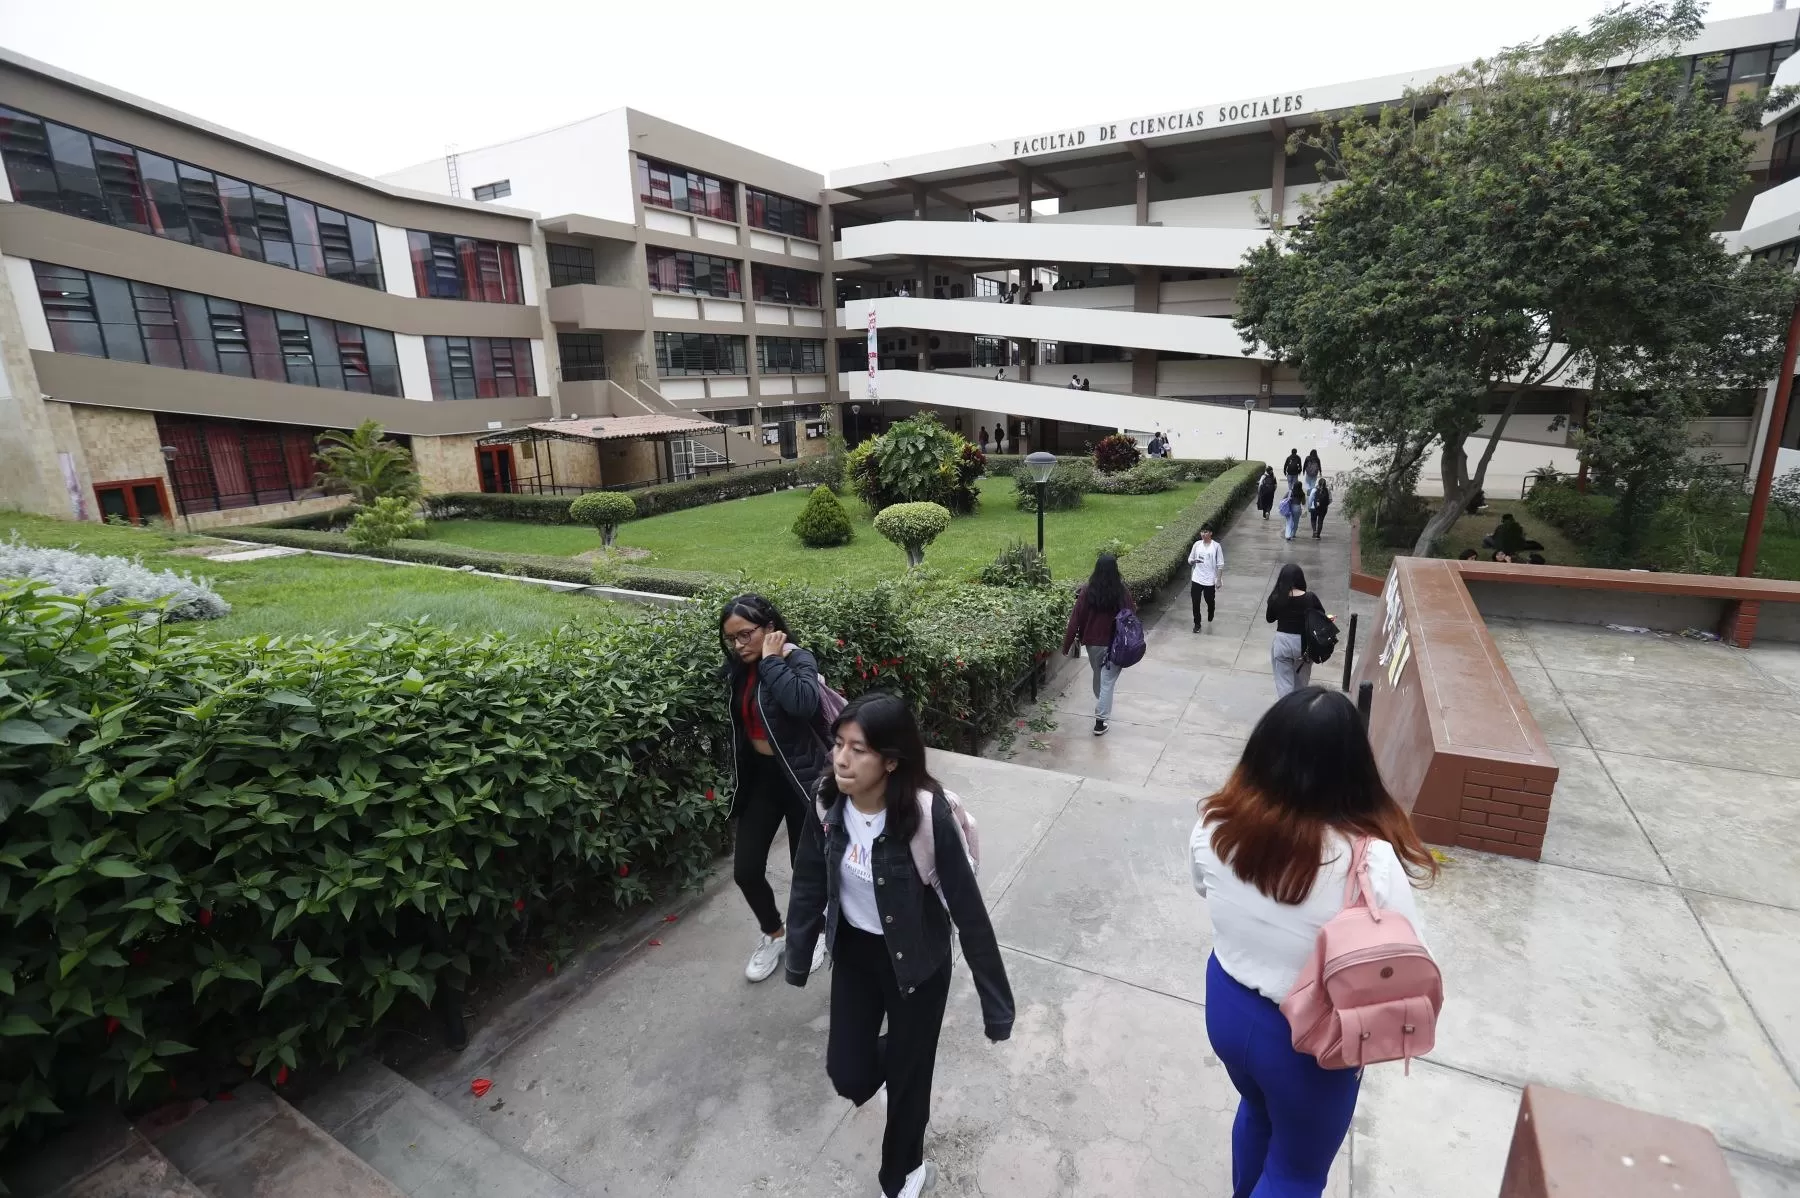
<point x="919" y="1180"/>
<point x="766" y="959"/>
<point x="818" y="961"/>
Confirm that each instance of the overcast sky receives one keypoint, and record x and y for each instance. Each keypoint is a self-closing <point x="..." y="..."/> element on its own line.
<point x="373" y="85"/>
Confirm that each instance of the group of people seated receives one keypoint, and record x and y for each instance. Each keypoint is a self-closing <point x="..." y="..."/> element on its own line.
<point x="1509" y="544"/>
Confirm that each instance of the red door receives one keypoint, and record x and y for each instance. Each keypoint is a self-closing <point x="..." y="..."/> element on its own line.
<point x="495" y="466"/>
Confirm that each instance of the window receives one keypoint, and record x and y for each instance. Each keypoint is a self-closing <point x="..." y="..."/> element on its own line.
<point x="779" y="214"/>
<point x="781" y="285"/>
<point x="76" y="173"/>
<point x="664" y="186"/>
<point x="692" y="274"/>
<point x="221" y="464"/>
<point x="101" y="316"/>
<point x="1784" y="158"/>
<point x="480" y="367"/>
<point x="448" y="267"/>
<point x="583" y="356"/>
<point x="790" y="355"/>
<point x="135" y="501"/>
<point x="732" y="418"/>
<point x="701" y="353"/>
<point x="570" y="264"/>
<point x="494" y="191"/>
<point x="1784" y="254"/>
<point x="988" y="351"/>
<point x="986" y="286"/>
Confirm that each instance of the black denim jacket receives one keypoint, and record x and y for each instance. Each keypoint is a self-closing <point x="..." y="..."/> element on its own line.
<point x="787" y="695"/>
<point x="914" y="922"/>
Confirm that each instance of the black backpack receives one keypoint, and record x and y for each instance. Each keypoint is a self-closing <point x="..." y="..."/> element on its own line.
<point x="1320" y="637"/>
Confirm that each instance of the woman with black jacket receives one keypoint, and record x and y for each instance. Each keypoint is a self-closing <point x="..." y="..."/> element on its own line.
<point x="1289" y="604"/>
<point x="858" y="885"/>
<point x="778" y="753"/>
<point x="1265" y="491"/>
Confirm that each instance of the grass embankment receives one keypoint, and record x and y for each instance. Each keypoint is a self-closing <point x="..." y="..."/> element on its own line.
<point x="308" y="594"/>
<point x="755" y="535"/>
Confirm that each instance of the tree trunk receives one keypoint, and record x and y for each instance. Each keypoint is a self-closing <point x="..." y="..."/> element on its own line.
<point x="1458" y="487"/>
<point x="607" y="533"/>
<point x="915" y="556"/>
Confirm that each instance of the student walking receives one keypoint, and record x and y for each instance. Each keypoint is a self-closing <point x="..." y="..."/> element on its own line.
<point x="1310" y="472"/>
<point x="984" y="439"/>
<point x="858" y="886"/>
<point x="1265" y="491"/>
<point x="1097" y="605"/>
<point x="1291" y="467"/>
<point x="1271" y="856"/>
<point x="778" y="755"/>
<point x="1291" y="508"/>
<point x="1317" y="504"/>
<point x="1288" y="604"/>
<point x="1207" y="557"/>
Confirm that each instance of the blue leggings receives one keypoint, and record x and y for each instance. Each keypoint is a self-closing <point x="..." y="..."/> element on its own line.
<point x="1292" y="1112"/>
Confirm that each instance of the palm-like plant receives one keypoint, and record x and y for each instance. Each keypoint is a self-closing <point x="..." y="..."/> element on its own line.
<point x="367" y="465"/>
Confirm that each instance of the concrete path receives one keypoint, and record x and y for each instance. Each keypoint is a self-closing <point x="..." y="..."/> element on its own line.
<point x="1653" y="958"/>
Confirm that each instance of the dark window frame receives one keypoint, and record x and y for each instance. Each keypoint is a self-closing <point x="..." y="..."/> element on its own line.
<point x="680" y="354"/>
<point x="679" y="189"/>
<point x="583" y="357"/>
<point x="456" y="266"/>
<point x="481" y="367"/>
<point x="570" y="265"/>
<point x="679" y="272"/>
<point x="497" y="190"/>
<point x="777" y="213"/>
<point x="790" y="355"/>
<point x="133" y="203"/>
<point x="786" y="285"/>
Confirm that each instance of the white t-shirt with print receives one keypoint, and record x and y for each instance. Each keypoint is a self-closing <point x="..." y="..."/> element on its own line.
<point x="856" y="874"/>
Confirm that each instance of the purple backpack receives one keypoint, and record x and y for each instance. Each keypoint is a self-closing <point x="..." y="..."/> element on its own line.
<point x="1127" y="648"/>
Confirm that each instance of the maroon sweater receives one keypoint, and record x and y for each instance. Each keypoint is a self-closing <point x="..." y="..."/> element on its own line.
<point x="1091" y="625"/>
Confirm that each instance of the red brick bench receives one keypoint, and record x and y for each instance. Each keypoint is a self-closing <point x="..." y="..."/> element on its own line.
<point x="1567" y="1146"/>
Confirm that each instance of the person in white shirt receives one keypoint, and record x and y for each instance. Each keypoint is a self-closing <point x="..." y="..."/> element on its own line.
<point x="1270" y="854"/>
<point x="1207" y="557"/>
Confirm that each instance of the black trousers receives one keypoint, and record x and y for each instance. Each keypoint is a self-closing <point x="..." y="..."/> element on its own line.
<point x="860" y="1059"/>
<point x="1199" y="591"/>
<point x="1318" y="520"/>
<point x="767" y="799"/>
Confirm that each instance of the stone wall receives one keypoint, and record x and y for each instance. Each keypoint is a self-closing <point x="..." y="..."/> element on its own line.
<point x="447" y="463"/>
<point x="119" y="444"/>
<point x="199" y="521"/>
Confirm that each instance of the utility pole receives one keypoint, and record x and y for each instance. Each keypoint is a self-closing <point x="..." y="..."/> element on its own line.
<point x="1765" y="471"/>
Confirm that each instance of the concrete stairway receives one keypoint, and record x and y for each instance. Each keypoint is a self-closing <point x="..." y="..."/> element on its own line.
<point x="369" y="1134"/>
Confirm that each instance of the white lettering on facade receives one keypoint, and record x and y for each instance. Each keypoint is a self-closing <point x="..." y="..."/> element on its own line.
<point x="1252" y="110"/>
<point x="1159" y="125"/>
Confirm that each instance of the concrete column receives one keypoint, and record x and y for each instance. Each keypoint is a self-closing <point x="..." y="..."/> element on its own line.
<point x="1278" y="169"/>
<point x="1025" y="196"/>
<point x="1146" y="296"/>
<point x="31" y="473"/>
<point x="1143" y="196"/>
<point x="1027" y="351"/>
<point x="925" y="293"/>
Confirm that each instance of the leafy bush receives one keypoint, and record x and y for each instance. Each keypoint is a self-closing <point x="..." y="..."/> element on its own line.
<point x="826" y="469"/>
<point x="650" y="501"/>
<point x="385" y="521"/>
<point x="367" y="466"/>
<point x="113" y="580"/>
<point x="1116" y="452"/>
<point x="823" y="522"/>
<point x="916" y="461"/>
<point x="1583" y="518"/>
<point x="262" y="849"/>
<point x="605" y="510"/>
<point x="1148" y="477"/>
<point x="912" y="526"/>
<point x="1164" y="556"/>
<point x="1017" y="565"/>
<point x="1069" y="481"/>
<point x="1784" y="496"/>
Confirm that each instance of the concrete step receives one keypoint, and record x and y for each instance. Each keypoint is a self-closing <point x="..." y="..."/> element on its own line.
<point x="257" y="1146"/>
<point x="421" y="1145"/>
<point x="104" y="1157"/>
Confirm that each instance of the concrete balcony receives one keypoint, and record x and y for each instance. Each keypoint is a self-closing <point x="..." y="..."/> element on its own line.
<point x="596" y="306"/>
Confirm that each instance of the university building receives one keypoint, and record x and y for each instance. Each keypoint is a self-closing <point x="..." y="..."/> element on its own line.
<point x="620" y="299"/>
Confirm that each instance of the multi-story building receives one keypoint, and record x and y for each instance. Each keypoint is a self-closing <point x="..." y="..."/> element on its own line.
<point x="183" y="308"/>
<point x="685" y="269"/>
<point x="999" y="273"/>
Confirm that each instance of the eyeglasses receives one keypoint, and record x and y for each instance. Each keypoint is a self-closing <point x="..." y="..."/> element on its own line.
<point x="740" y="639"/>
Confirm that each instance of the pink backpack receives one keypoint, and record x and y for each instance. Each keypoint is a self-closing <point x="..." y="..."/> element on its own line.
<point x="1370" y="991"/>
<point x="924" y="842"/>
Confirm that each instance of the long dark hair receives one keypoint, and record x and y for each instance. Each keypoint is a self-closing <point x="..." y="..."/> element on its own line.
<point x="1105" y="588"/>
<point x="1307" y="767"/>
<point x="890" y="729"/>
<point x="758" y="611"/>
<point x="1292" y="578"/>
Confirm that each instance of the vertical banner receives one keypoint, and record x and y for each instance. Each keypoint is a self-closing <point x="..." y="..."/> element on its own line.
<point x="874" y="352"/>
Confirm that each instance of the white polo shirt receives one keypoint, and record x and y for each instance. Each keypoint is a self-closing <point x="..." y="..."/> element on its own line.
<point x="1208" y="560"/>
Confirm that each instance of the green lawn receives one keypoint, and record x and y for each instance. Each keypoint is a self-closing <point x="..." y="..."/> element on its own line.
<point x="306" y="593"/>
<point x="1467" y="532"/>
<point x="755" y="535"/>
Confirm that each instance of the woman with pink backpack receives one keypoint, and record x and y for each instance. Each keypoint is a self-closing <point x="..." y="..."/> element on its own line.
<point x="1307" y="865"/>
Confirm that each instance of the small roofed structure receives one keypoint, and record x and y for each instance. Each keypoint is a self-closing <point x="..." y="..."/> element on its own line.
<point x="627" y="451"/>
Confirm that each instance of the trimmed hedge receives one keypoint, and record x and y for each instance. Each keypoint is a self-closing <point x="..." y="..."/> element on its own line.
<point x="528" y="565"/>
<point x="261" y="850"/>
<point x="1163" y="557"/>
<point x="650" y="501"/>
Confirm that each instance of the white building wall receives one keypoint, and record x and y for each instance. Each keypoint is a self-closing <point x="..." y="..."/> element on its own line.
<point x="396" y="261"/>
<point x="22" y="281"/>
<point x="584" y="167"/>
<point x="415" y="371"/>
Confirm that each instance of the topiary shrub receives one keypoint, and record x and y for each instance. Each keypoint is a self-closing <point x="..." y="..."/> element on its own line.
<point x="1069" y="481"/>
<point x="1017" y="565"/>
<point x="395" y="518"/>
<point x="912" y="526"/>
<point x="823" y="522"/>
<point x="605" y="510"/>
<point x="1116" y="452"/>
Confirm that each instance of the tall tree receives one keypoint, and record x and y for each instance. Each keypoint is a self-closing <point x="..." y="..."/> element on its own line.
<point x="1536" y="220"/>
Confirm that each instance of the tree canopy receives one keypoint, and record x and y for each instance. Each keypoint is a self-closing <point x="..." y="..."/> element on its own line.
<point x="1544" y="218"/>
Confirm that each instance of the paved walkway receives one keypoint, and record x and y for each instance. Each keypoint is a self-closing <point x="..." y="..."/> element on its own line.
<point x="1653" y="958"/>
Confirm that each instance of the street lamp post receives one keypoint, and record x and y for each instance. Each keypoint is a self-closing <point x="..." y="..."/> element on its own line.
<point x="1040" y="464"/>
<point x="1249" y="407"/>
